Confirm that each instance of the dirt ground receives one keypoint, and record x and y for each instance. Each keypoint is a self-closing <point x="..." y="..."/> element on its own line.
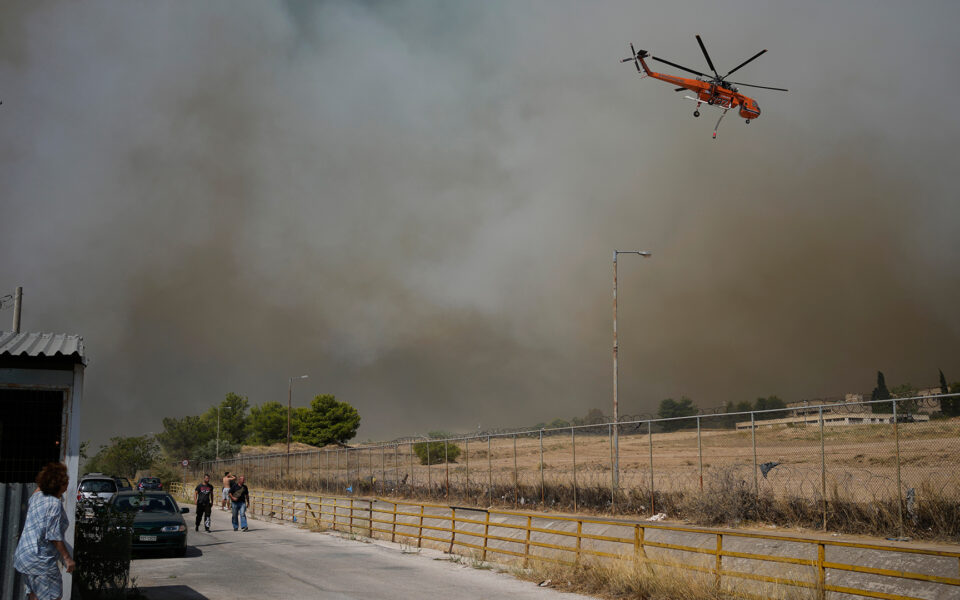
<point x="859" y="461"/>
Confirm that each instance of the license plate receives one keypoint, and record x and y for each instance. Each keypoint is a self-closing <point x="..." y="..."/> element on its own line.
<point x="148" y="538"/>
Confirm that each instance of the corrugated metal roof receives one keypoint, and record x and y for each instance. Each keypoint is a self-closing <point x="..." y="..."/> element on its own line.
<point x="41" y="344"/>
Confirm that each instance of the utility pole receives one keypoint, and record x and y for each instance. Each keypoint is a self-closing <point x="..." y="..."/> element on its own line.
<point x="218" y="432"/>
<point x="616" y="412"/>
<point x="17" y="301"/>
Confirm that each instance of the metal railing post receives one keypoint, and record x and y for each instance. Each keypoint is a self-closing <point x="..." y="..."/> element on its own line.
<point x="453" y="528"/>
<point x="411" y="468"/>
<point x="821" y="571"/>
<point x="420" y="531"/>
<point x="446" y="464"/>
<point x="466" y="460"/>
<point x="486" y="532"/>
<point x="718" y="569"/>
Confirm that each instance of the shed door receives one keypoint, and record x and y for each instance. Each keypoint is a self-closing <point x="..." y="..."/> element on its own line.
<point x="31" y="429"/>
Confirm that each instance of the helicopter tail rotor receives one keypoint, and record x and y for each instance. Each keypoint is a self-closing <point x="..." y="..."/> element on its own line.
<point x="635" y="57"/>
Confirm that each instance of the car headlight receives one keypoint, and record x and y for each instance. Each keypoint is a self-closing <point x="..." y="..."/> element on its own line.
<point x="173" y="528"/>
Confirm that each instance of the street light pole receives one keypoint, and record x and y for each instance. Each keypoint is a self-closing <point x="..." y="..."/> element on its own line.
<point x="289" y="410"/>
<point x="616" y="412"/>
<point x="218" y="432"/>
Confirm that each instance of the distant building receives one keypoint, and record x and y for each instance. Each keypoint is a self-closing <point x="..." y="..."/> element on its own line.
<point x="834" y="418"/>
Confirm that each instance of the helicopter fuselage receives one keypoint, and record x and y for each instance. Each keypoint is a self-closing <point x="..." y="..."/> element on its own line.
<point x="711" y="93"/>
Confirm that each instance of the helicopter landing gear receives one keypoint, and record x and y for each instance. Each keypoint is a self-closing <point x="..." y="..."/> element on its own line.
<point x="696" y="113"/>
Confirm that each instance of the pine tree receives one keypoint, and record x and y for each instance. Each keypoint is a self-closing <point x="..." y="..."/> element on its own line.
<point x="880" y="393"/>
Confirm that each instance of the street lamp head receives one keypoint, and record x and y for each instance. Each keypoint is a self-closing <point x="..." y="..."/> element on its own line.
<point x="642" y="253"/>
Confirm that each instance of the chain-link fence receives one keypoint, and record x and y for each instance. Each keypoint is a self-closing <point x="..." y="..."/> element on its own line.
<point x="880" y="467"/>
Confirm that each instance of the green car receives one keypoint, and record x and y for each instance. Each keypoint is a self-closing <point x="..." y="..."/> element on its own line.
<point x="158" y="524"/>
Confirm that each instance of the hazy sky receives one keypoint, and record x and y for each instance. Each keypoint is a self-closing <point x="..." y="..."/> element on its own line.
<point x="416" y="203"/>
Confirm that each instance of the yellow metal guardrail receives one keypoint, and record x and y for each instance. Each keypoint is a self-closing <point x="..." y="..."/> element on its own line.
<point x="404" y="519"/>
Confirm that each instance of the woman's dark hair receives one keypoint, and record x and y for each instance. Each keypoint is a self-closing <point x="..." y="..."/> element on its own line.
<point x="52" y="478"/>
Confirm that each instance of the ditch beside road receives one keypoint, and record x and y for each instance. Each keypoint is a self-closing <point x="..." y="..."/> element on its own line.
<point x="276" y="560"/>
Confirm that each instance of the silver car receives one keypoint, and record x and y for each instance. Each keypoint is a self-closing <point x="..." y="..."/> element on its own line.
<point x="96" y="487"/>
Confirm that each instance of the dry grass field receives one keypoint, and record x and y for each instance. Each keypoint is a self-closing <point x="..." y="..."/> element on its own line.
<point x="855" y="477"/>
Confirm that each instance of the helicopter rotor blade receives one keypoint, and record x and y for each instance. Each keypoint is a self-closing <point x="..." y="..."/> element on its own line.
<point x="679" y="67"/>
<point x="744" y="63"/>
<point x="759" y="86"/>
<point x="707" y="56"/>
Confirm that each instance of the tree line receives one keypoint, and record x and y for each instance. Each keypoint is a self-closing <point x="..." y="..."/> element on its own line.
<point x="222" y="430"/>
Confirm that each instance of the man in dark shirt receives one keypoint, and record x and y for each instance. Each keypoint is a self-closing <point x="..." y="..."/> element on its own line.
<point x="203" y="498"/>
<point x="240" y="498"/>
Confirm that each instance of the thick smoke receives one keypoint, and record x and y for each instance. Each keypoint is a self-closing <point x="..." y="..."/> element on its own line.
<point x="416" y="204"/>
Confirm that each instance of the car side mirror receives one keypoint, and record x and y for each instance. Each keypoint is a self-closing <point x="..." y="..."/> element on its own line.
<point x="184" y="510"/>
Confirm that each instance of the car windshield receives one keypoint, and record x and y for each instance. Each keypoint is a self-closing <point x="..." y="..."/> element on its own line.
<point x="156" y="504"/>
<point x="98" y="486"/>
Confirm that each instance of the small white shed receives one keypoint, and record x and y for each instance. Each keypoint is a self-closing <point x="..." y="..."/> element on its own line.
<point x="41" y="385"/>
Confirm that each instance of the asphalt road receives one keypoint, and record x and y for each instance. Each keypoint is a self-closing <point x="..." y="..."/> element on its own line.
<point x="283" y="561"/>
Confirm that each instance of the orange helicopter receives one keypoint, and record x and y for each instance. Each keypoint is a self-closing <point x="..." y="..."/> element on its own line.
<point x="715" y="91"/>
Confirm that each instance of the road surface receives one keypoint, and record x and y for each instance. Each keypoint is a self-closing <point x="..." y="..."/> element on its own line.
<point x="282" y="561"/>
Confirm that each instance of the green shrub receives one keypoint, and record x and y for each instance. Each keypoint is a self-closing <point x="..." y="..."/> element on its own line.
<point x="433" y="452"/>
<point x="102" y="550"/>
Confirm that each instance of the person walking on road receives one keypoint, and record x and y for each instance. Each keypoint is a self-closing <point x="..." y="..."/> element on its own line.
<point x="228" y="480"/>
<point x="240" y="496"/>
<point x="42" y="540"/>
<point x="203" y="498"/>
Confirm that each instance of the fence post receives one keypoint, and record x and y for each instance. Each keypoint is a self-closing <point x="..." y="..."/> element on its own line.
<point x="420" y="531"/>
<point x="526" y="545"/>
<point x="453" y="528"/>
<point x="821" y="572"/>
<point x="486" y="531"/>
<point x="466" y="460"/>
<point x="446" y="464"/>
<point x="429" y="474"/>
<point x="613" y="473"/>
<point x="370" y="519"/>
<point x="653" y="500"/>
<point x="411" y="468"/>
<point x="823" y="470"/>
<point x="573" y="446"/>
<point x="489" y="481"/>
<point x="393" y="528"/>
<point x="718" y="570"/>
<point x="542" y="492"/>
<point x="516" y="474"/>
<point x="700" y="452"/>
<point x="753" y="436"/>
<point x="896" y="437"/>
<point x="351" y="515"/>
<point x="579" y="539"/>
<point x="383" y="466"/>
